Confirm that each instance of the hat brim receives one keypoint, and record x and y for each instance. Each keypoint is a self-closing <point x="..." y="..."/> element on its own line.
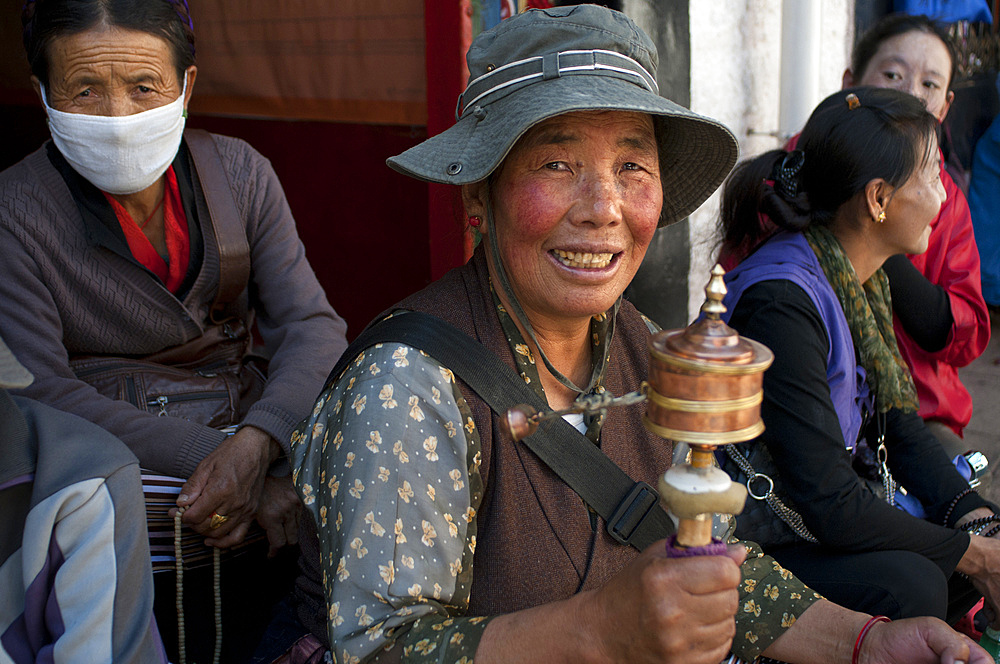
<point x="696" y="152"/>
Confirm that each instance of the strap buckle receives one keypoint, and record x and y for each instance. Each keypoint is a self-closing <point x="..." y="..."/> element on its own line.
<point x="628" y="516"/>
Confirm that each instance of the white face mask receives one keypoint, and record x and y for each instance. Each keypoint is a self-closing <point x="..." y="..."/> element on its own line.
<point x="119" y="154"/>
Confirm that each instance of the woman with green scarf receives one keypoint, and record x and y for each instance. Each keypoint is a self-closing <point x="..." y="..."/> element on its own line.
<point x="862" y="186"/>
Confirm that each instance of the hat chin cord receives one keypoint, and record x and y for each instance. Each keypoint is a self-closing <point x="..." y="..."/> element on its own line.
<point x="522" y="318"/>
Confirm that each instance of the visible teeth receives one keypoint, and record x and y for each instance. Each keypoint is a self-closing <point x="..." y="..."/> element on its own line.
<point x="584" y="260"/>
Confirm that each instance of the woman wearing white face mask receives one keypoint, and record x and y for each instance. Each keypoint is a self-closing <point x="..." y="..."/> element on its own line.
<point x="111" y="235"/>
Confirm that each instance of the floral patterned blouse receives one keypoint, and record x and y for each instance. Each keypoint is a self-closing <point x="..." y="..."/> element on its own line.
<point x="388" y="465"/>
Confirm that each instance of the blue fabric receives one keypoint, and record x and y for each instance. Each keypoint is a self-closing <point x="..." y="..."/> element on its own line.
<point x="946" y="11"/>
<point x="788" y="256"/>
<point x="984" y="204"/>
<point x="492" y="11"/>
<point x="910" y="504"/>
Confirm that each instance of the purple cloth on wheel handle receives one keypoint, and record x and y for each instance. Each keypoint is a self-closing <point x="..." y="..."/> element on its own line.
<point x="716" y="548"/>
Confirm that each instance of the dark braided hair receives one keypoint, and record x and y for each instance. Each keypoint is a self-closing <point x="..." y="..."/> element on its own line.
<point x="883" y="134"/>
<point x="45" y="20"/>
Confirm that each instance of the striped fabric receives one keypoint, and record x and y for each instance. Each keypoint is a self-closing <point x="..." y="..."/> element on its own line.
<point x="161" y="493"/>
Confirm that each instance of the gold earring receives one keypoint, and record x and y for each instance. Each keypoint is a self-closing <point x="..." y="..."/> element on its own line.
<point x="881" y="217"/>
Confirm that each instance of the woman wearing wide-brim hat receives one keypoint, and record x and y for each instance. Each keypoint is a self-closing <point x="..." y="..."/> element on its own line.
<point x="443" y="538"/>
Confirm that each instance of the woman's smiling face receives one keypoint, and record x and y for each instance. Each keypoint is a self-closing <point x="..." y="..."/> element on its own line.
<point x="576" y="203"/>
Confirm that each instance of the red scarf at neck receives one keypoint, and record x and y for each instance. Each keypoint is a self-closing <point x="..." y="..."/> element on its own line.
<point x="172" y="270"/>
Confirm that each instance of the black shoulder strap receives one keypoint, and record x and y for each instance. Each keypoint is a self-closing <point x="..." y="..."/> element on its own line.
<point x="230" y="232"/>
<point x="631" y="509"/>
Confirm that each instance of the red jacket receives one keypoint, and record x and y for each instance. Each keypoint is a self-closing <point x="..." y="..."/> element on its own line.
<point x="951" y="262"/>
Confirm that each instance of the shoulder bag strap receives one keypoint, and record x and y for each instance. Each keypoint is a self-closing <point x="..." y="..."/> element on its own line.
<point x="631" y="509"/>
<point x="229" y="230"/>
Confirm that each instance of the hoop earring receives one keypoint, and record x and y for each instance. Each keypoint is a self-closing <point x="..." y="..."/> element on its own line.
<point x="475" y="221"/>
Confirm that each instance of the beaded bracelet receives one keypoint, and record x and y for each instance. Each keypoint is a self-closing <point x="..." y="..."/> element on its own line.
<point x="954" y="503"/>
<point x="864" y="632"/>
<point x="977" y="526"/>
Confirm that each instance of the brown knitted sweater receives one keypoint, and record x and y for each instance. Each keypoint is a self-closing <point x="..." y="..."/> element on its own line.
<point x="67" y="287"/>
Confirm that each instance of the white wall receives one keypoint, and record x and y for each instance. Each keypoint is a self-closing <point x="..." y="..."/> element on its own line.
<point x="735" y="78"/>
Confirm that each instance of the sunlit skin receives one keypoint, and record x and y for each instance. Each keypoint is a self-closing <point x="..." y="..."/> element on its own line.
<point x="913" y="206"/>
<point x="915" y="62"/>
<point x="115" y="72"/>
<point x="909" y="211"/>
<point x="577" y="184"/>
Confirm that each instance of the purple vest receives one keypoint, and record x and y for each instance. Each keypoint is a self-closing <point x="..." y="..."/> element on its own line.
<point x="788" y="256"/>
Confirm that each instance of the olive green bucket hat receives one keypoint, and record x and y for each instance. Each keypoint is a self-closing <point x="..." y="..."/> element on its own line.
<point x="546" y="62"/>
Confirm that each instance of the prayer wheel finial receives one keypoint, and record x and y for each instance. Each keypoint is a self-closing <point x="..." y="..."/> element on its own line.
<point x="715" y="292"/>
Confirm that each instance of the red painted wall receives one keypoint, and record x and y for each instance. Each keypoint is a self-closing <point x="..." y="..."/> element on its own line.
<point x="445" y="47"/>
<point x="364" y="225"/>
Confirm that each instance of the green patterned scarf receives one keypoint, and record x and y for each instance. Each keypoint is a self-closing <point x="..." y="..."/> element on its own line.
<point x="868" y="310"/>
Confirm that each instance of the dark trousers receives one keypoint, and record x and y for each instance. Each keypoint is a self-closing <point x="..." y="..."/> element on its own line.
<point x="897" y="584"/>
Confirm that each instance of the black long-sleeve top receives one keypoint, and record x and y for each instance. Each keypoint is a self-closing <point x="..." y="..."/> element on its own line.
<point x="804" y="437"/>
<point x="922" y="307"/>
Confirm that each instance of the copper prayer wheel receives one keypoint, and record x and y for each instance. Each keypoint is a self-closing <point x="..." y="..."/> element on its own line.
<point x="704" y="389"/>
<point x="705" y="380"/>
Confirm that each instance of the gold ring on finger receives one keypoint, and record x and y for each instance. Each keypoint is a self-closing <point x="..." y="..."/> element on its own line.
<point x="217" y="520"/>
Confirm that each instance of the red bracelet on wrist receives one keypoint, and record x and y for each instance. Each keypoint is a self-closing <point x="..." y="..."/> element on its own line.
<point x="864" y="633"/>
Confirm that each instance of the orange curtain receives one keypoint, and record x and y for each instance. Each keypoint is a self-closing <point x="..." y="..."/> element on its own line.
<point x="356" y="61"/>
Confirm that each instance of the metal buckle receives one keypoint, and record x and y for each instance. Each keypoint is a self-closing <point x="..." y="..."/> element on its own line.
<point x="766" y="494"/>
<point x="631" y="511"/>
<point x="979" y="464"/>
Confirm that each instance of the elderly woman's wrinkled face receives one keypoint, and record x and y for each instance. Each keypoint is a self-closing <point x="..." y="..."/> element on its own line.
<point x="112" y="72"/>
<point x="576" y="204"/>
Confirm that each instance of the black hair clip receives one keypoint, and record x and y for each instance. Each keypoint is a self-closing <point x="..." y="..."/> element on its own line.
<point x="786" y="174"/>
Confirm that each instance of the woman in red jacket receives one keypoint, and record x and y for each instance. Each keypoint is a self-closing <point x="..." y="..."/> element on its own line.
<point x="941" y="319"/>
